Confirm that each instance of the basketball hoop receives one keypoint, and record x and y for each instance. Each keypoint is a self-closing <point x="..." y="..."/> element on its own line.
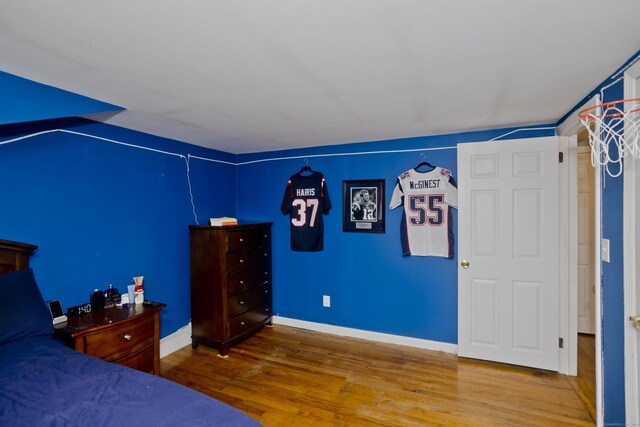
<point x="617" y="123"/>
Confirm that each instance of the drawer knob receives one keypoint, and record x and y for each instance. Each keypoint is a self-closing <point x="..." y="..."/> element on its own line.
<point x="267" y="310"/>
<point x="242" y="282"/>
<point x="265" y="282"/>
<point x="241" y="302"/>
<point x="242" y="240"/>
<point x="241" y="261"/>
<point x="266" y="272"/>
<point x="127" y="337"/>
<point x="265" y="236"/>
<point x="266" y="291"/>
<point x="242" y="323"/>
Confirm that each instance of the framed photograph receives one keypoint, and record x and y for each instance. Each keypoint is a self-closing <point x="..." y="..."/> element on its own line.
<point x="363" y="206"/>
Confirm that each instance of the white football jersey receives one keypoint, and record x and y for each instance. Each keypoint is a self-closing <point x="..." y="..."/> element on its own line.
<point x="427" y="197"/>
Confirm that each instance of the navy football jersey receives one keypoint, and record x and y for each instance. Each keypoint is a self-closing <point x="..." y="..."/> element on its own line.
<point x="306" y="200"/>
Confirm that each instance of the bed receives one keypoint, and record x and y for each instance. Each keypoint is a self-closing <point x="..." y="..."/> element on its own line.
<point x="45" y="383"/>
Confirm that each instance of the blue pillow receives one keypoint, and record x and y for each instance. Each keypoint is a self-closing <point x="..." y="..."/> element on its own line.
<point x="23" y="312"/>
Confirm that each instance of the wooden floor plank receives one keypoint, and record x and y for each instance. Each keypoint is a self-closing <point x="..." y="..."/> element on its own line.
<point x="289" y="376"/>
<point x="584" y="384"/>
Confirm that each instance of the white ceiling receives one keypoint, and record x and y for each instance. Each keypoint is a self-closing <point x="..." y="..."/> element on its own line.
<point x="257" y="75"/>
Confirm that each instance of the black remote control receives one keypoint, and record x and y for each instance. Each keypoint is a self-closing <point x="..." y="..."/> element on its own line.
<point x="150" y="303"/>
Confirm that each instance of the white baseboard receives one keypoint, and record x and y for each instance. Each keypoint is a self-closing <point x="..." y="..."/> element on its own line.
<point x="182" y="337"/>
<point x="368" y="335"/>
<point x="175" y="341"/>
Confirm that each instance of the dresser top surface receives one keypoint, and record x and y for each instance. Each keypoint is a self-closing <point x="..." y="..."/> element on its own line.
<point x="231" y="227"/>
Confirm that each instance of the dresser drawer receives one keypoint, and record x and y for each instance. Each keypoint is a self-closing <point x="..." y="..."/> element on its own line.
<point x="244" y="280"/>
<point x="249" y="319"/>
<point x="245" y="260"/>
<point x="248" y="299"/>
<point x="141" y="360"/>
<point x="114" y="342"/>
<point x="246" y="239"/>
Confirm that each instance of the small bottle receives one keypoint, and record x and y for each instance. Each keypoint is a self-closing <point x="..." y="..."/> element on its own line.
<point x="139" y="294"/>
<point x="109" y="297"/>
<point x="116" y="296"/>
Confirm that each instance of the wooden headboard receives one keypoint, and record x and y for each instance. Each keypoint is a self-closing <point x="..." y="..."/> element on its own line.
<point x="14" y="256"/>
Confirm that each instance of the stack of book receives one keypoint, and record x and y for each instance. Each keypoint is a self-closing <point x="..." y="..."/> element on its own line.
<point x="225" y="220"/>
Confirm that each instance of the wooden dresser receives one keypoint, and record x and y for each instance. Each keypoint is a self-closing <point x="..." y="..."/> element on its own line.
<point x="230" y="283"/>
<point x="129" y="336"/>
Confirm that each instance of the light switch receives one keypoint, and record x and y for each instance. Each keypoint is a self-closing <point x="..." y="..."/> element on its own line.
<point x="606" y="255"/>
<point x="326" y="301"/>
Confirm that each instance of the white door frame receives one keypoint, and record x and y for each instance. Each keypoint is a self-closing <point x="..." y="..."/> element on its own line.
<point x="571" y="126"/>
<point x="632" y="394"/>
<point x="568" y="298"/>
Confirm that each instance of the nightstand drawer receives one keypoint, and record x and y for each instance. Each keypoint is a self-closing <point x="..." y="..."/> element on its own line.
<point x="115" y="342"/>
<point x="142" y="360"/>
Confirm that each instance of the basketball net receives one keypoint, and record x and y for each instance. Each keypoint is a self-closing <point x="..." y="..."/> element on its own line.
<point x="614" y="129"/>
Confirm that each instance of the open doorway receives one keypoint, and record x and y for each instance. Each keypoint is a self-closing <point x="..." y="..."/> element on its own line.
<point x="586" y="352"/>
<point x="585" y="382"/>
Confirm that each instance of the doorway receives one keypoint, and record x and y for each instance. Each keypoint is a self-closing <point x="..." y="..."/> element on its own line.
<point x="584" y="383"/>
<point x="572" y="128"/>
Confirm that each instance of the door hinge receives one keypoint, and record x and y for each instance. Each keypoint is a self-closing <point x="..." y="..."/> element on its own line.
<point x="560" y="157"/>
<point x="561" y="342"/>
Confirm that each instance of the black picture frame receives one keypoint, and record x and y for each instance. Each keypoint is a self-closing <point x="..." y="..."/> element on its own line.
<point x="360" y="215"/>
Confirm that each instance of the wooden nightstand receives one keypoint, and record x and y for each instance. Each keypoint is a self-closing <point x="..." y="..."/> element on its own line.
<point x="129" y="336"/>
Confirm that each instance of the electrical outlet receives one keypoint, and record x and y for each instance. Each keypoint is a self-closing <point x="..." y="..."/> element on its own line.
<point x="326" y="301"/>
<point x="606" y="255"/>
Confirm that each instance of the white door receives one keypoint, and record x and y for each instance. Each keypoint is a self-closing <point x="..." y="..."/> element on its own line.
<point x="635" y="314"/>
<point x="586" y="243"/>
<point x="632" y="290"/>
<point x="631" y="229"/>
<point x="508" y="214"/>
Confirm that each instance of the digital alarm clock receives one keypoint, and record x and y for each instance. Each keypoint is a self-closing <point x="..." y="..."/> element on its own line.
<point x="79" y="310"/>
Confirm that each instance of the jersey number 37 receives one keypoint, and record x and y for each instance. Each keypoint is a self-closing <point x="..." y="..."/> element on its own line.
<point x="301" y="218"/>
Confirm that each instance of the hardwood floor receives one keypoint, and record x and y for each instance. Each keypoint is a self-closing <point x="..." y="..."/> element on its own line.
<point x="584" y="383"/>
<point x="286" y="376"/>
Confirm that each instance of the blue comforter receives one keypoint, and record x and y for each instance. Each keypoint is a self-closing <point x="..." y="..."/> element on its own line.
<point x="43" y="383"/>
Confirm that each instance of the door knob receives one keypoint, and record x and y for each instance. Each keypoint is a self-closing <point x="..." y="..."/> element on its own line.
<point x="636" y="320"/>
<point x="464" y="263"/>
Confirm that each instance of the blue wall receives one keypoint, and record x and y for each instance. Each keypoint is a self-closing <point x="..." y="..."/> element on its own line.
<point x="24" y="100"/>
<point x="372" y="286"/>
<point x="612" y="289"/>
<point x="102" y="213"/>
